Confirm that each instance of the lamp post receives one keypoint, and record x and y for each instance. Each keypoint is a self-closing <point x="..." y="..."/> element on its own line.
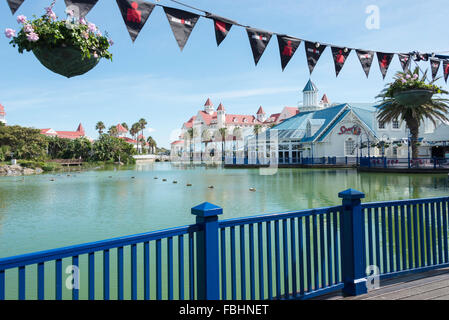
<point x="408" y="147"/>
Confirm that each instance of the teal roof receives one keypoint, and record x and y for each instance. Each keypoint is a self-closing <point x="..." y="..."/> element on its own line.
<point x="310" y="86"/>
<point x="327" y="119"/>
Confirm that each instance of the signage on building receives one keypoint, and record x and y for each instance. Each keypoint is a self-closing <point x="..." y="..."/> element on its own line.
<point x="355" y="130"/>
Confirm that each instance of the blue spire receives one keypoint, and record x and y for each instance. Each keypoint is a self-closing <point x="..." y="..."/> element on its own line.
<point x="310" y="86"/>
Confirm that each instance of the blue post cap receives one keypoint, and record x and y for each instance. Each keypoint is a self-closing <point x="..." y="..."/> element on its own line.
<point x="207" y="209"/>
<point x="351" y="194"/>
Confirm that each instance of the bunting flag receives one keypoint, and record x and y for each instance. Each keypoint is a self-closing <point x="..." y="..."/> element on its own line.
<point x="384" y="62"/>
<point x="14" y="5"/>
<point x="182" y="23"/>
<point x="258" y="40"/>
<point x="434" y="66"/>
<point x="222" y="27"/>
<point x="340" y="55"/>
<point x="445" y="69"/>
<point x="84" y="6"/>
<point x="405" y="60"/>
<point x="135" y="14"/>
<point x="366" y="59"/>
<point x="313" y="53"/>
<point x="287" y="48"/>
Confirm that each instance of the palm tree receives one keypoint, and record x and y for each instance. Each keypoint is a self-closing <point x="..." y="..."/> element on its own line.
<point x="125" y="125"/>
<point x="256" y="131"/>
<point x="100" y="127"/>
<point x="112" y="131"/>
<point x="391" y="109"/>
<point x="152" y="144"/>
<point x="222" y="132"/>
<point x="237" y="136"/>
<point x="189" y="135"/>
<point x="206" y="137"/>
<point x="135" y="128"/>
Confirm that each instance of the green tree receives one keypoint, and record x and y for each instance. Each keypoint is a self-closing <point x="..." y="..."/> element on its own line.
<point x="125" y="125"/>
<point x="25" y="143"/>
<point x="256" y="130"/>
<point x="189" y="135"/>
<point x="113" y="149"/>
<point x="223" y="133"/>
<point x="152" y="144"/>
<point x="142" y="125"/>
<point x="113" y="131"/>
<point x="100" y="127"/>
<point x="391" y="109"/>
<point x="135" y="128"/>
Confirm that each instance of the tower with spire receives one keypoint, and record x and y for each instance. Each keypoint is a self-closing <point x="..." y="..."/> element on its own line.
<point x="310" y="99"/>
<point x="261" y="115"/>
<point x="221" y="116"/>
<point x="209" y="107"/>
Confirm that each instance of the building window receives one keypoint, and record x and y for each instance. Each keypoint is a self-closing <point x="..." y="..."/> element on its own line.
<point x="395" y="124"/>
<point x="349" y="147"/>
<point x="381" y="125"/>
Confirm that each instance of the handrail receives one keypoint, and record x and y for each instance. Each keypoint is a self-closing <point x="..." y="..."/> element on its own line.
<point x="275" y="216"/>
<point x="70" y="251"/>
<point x="382" y="204"/>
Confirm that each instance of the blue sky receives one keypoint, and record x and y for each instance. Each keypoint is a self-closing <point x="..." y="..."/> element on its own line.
<point x="154" y="80"/>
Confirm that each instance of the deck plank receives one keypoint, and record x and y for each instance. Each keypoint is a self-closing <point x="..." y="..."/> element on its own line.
<point x="433" y="284"/>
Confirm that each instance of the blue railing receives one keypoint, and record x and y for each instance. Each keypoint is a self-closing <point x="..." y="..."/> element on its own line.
<point x="298" y="255"/>
<point x="422" y="163"/>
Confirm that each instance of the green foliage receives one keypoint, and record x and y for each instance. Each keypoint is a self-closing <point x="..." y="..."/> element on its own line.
<point x="5" y="153"/>
<point x="25" y="143"/>
<point x="53" y="33"/>
<point x="410" y="80"/>
<point x="59" y="148"/>
<point x="108" y="148"/>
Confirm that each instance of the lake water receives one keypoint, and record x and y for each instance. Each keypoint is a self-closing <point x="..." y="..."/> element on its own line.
<point x="37" y="213"/>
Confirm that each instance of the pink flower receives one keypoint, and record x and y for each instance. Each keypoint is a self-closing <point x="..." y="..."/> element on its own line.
<point x="10" y="33"/>
<point x="408" y="76"/>
<point x="28" y="28"/>
<point x="33" y="37"/>
<point x="51" y="14"/>
<point x="21" y="19"/>
<point x="403" y="80"/>
<point x="92" y="27"/>
<point x="85" y="35"/>
<point x="95" y="55"/>
<point x="83" y="21"/>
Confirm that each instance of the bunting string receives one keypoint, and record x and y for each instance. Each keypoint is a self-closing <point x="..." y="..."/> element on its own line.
<point x="135" y="14"/>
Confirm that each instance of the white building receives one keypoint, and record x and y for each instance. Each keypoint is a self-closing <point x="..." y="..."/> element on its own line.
<point x="322" y="129"/>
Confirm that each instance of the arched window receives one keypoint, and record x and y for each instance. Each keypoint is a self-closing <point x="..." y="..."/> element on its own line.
<point x="349" y="147"/>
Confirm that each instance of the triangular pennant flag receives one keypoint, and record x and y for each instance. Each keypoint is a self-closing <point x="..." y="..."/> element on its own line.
<point x="434" y="66"/>
<point x="384" y="62"/>
<point x="135" y="14"/>
<point x="366" y="59"/>
<point x="340" y="55"/>
<point x="405" y="61"/>
<point x="313" y="53"/>
<point x="84" y="6"/>
<point x="222" y="27"/>
<point x="258" y="40"/>
<point x="181" y="23"/>
<point x="287" y="48"/>
<point x="445" y="69"/>
<point x="14" y="5"/>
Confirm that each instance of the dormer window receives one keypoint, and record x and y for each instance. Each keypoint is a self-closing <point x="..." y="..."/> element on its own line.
<point x="396" y="124"/>
<point x="235" y="119"/>
<point x="245" y="120"/>
<point x="381" y="125"/>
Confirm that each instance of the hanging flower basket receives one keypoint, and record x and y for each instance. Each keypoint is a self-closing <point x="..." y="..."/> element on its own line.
<point x="414" y="97"/>
<point x="68" y="47"/>
<point x="409" y="90"/>
<point x="66" y="61"/>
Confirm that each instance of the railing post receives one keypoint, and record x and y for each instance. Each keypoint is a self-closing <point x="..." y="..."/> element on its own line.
<point x="353" y="243"/>
<point x="208" y="283"/>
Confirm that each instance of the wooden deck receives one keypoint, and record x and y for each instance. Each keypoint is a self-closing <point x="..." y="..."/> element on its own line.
<point x="430" y="285"/>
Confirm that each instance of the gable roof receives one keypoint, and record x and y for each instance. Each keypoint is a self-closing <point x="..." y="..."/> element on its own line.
<point x="121" y="128"/>
<point x="208" y="103"/>
<point x="295" y="127"/>
<point x="260" y="111"/>
<point x="2" y="110"/>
